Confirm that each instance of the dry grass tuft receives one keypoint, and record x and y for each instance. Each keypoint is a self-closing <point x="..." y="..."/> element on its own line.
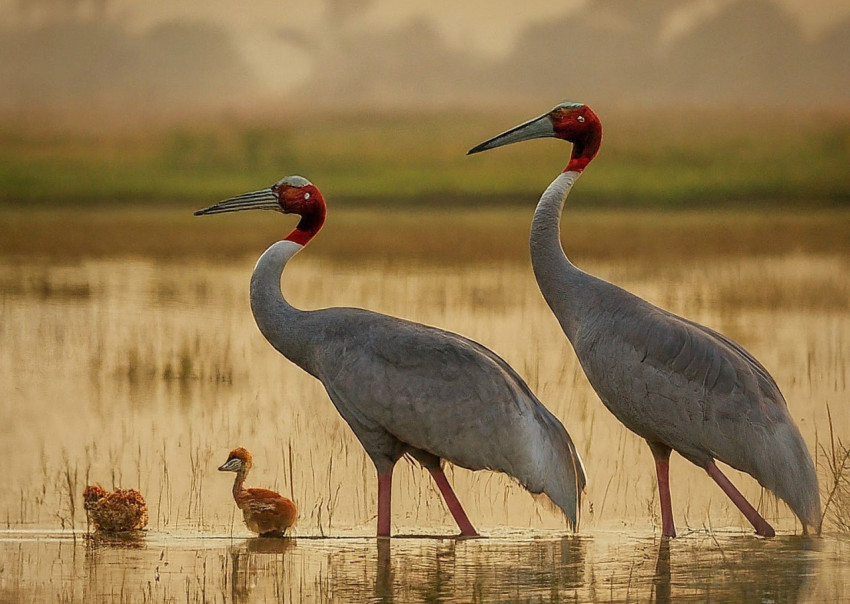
<point x="837" y="469"/>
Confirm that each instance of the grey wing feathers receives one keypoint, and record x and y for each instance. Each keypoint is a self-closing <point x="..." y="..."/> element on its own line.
<point x="767" y="385"/>
<point x="764" y="441"/>
<point x="719" y="367"/>
<point x="444" y="394"/>
<point x="687" y="386"/>
<point x="673" y="381"/>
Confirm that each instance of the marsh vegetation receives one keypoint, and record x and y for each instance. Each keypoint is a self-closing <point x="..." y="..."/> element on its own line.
<point x="140" y="366"/>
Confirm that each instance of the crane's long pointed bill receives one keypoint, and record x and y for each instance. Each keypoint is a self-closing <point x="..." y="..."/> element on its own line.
<point x="256" y="200"/>
<point x="539" y="127"/>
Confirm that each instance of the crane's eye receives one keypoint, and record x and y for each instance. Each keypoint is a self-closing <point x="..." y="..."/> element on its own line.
<point x="306" y="196"/>
<point x="580" y="118"/>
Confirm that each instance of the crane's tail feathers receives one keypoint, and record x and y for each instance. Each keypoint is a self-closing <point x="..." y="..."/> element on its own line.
<point x="570" y="507"/>
<point x="781" y="462"/>
<point x="794" y="478"/>
<point x="562" y="478"/>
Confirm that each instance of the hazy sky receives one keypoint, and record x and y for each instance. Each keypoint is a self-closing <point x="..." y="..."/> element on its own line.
<point x="484" y="27"/>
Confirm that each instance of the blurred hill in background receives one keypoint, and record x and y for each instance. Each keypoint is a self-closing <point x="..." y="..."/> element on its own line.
<point x="61" y="56"/>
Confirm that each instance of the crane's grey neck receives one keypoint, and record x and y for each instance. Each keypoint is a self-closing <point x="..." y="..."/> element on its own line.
<point x="558" y="279"/>
<point x="545" y="241"/>
<point x="277" y="319"/>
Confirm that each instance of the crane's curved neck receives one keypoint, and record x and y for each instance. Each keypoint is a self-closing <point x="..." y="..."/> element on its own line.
<point x="277" y="319"/>
<point x="283" y="325"/>
<point x="558" y="279"/>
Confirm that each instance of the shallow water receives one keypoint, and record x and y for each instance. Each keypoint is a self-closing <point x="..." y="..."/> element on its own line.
<point x="523" y="566"/>
<point x="142" y="373"/>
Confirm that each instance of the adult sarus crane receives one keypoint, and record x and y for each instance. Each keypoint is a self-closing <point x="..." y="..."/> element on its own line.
<point x="678" y="384"/>
<point x="407" y="388"/>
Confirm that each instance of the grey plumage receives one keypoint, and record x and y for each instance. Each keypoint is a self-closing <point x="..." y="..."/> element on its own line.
<point x="679" y="383"/>
<point x="676" y="383"/>
<point x="404" y="387"/>
<point x="407" y="388"/>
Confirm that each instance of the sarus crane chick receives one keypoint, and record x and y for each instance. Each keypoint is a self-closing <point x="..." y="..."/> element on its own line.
<point x="406" y="388"/>
<point x="265" y="512"/>
<point x="119" y="511"/>
<point x="681" y="386"/>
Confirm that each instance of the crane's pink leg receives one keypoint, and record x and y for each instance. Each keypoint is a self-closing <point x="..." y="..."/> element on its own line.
<point x="662" y="471"/>
<point x="759" y="523"/>
<point x="463" y="523"/>
<point x="385" y="488"/>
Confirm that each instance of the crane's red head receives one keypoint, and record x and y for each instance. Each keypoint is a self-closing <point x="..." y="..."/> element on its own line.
<point x="238" y="459"/>
<point x="573" y="122"/>
<point x="290" y="195"/>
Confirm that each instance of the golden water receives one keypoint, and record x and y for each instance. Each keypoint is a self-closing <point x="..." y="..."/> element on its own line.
<point x="521" y="566"/>
<point x="140" y="373"/>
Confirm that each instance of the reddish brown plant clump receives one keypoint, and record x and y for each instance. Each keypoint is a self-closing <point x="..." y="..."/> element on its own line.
<point x="120" y="511"/>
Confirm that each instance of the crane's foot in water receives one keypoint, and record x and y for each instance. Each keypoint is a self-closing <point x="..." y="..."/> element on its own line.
<point x="766" y="531"/>
<point x="763" y="528"/>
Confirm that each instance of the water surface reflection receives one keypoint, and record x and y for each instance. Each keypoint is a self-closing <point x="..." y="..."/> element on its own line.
<point x="530" y="567"/>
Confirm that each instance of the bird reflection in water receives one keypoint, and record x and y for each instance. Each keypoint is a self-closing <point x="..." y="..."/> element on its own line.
<point x="384" y="572"/>
<point x="255" y="559"/>
<point x="700" y="567"/>
<point x="735" y="569"/>
<point x="455" y="570"/>
<point x="661" y="580"/>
